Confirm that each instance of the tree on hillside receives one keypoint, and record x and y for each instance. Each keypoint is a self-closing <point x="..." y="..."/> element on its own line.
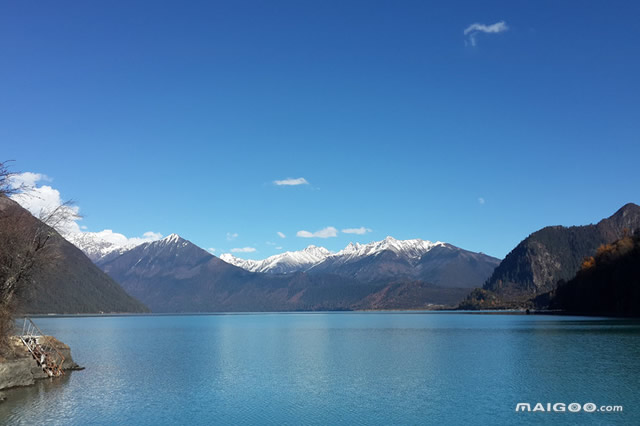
<point x="607" y="284"/>
<point x="6" y="187"/>
<point x="21" y="248"/>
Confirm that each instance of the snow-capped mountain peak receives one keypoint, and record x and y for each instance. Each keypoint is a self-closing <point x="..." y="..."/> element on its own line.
<point x="290" y="261"/>
<point x="107" y="244"/>
<point x="412" y="249"/>
<point x="171" y="242"/>
<point x="228" y="257"/>
<point x="247" y="264"/>
<point x="170" y="239"/>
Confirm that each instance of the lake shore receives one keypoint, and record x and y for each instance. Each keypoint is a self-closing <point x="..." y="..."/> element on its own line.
<point x="513" y="311"/>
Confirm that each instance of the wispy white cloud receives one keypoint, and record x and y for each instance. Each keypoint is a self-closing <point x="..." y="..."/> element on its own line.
<point x="291" y="182"/>
<point x="243" y="250"/>
<point x="359" y="231"/>
<point x="211" y="250"/>
<point x="41" y="199"/>
<point x="147" y="237"/>
<point x="281" y="235"/>
<point x="327" y="232"/>
<point x="278" y="248"/>
<point x="481" y="200"/>
<point x="232" y="236"/>
<point x="28" y="179"/>
<point x="472" y="30"/>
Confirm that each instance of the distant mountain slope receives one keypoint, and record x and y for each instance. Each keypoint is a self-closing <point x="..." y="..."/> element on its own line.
<point x="450" y="266"/>
<point x="65" y="281"/>
<point x="94" y="247"/>
<point x="607" y="284"/>
<point x="412" y="295"/>
<point x="555" y="253"/>
<point x="438" y="263"/>
<point x="171" y="255"/>
<point x="378" y="259"/>
<point x="384" y="261"/>
<point x="174" y="275"/>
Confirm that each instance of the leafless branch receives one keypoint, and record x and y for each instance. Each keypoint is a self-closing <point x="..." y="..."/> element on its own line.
<point x="6" y="186"/>
<point x="62" y="214"/>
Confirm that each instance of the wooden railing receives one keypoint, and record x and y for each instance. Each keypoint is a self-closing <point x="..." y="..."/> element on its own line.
<point x="42" y="349"/>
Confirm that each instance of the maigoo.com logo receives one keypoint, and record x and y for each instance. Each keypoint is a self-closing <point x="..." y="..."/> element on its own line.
<point x="561" y="407"/>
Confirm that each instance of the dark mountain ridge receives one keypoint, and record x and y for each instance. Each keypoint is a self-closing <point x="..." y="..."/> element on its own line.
<point x="556" y="252"/>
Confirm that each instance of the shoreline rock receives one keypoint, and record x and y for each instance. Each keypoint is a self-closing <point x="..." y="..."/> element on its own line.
<point x="22" y="370"/>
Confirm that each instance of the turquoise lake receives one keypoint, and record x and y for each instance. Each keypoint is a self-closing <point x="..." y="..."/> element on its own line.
<point x="336" y="368"/>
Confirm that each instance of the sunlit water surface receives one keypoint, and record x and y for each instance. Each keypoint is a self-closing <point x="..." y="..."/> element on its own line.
<point x="335" y="368"/>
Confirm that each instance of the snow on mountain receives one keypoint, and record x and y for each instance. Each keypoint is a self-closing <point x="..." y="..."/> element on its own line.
<point x="390" y="259"/>
<point x="303" y="260"/>
<point x="291" y="261"/>
<point x="169" y="239"/>
<point x="412" y="250"/>
<point x="247" y="264"/>
<point x="94" y="245"/>
<point x="106" y="244"/>
<point x="173" y="243"/>
<point x="170" y="252"/>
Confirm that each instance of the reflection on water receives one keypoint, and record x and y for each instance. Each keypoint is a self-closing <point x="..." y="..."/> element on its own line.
<point x="329" y="368"/>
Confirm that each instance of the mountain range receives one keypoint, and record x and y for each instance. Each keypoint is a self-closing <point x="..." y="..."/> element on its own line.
<point x="175" y="275"/>
<point x="313" y="256"/>
<point x="437" y="263"/>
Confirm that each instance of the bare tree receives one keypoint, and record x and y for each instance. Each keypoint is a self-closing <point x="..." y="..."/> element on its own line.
<point x="6" y="187"/>
<point x="60" y="215"/>
<point x="24" y="243"/>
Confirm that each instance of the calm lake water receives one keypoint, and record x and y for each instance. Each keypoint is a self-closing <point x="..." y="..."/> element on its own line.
<point x="335" y="368"/>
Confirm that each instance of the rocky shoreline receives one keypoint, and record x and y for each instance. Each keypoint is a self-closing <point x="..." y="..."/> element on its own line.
<point x="21" y="369"/>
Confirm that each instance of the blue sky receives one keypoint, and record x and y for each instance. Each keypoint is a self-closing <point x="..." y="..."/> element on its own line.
<point x="172" y="117"/>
